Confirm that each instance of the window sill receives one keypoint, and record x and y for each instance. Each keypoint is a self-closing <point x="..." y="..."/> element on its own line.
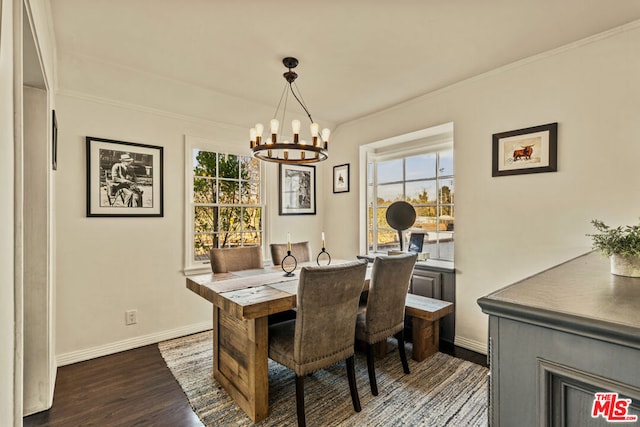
<point x="197" y="269"/>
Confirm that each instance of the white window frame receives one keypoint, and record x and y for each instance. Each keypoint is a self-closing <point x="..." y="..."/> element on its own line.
<point x="437" y="138"/>
<point x="195" y="143"/>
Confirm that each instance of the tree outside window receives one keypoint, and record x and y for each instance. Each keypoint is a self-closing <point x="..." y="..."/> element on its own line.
<point x="226" y="202"/>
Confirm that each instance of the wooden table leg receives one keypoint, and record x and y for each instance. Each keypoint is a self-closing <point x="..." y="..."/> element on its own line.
<point x="240" y="352"/>
<point x="426" y="338"/>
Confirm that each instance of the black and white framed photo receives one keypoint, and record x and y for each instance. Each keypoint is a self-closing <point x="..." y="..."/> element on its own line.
<point x="341" y="178"/>
<point x="297" y="190"/>
<point x="528" y="150"/>
<point x="123" y="178"/>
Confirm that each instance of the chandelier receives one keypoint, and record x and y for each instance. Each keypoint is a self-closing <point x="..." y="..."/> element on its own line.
<point x="296" y="150"/>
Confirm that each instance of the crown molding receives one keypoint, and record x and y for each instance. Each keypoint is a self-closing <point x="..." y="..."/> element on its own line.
<point x="147" y="110"/>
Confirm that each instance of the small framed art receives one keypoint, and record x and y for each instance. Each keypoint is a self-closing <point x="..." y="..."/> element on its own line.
<point x="529" y="150"/>
<point x="341" y="178"/>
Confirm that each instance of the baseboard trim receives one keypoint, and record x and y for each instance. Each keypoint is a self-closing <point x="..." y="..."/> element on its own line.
<point x="478" y="347"/>
<point x="130" y="343"/>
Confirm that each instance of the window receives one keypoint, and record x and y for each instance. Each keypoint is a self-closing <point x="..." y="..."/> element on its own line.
<point x="421" y="174"/>
<point x="225" y="203"/>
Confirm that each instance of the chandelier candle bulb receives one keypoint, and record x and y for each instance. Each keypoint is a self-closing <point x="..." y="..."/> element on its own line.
<point x="288" y="241"/>
<point x="295" y="126"/>
<point x="275" y="124"/>
<point x="252" y="137"/>
<point x="323" y="239"/>
<point x="259" y="129"/>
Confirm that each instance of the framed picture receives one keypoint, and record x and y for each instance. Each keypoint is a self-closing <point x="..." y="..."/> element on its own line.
<point x="54" y="141"/>
<point x="529" y="150"/>
<point x="416" y="242"/>
<point x="341" y="178"/>
<point x="123" y="178"/>
<point x="297" y="190"/>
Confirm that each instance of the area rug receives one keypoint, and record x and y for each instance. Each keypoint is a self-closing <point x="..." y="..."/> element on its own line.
<point x="440" y="391"/>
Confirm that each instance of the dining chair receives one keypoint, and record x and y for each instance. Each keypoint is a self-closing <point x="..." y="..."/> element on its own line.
<point x="323" y="332"/>
<point x="383" y="314"/>
<point x="224" y="260"/>
<point x="300" y="250"/>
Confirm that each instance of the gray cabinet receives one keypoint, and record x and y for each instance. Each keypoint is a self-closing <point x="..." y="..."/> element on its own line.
<point x="558" y="338"/>
<point x="439" y="282"/>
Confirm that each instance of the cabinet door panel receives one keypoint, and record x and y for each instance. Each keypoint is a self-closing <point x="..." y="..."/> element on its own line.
<point x="427" y="284"/>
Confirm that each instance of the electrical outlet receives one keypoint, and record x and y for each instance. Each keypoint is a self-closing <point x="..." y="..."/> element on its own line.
<point x="131" y="317"/>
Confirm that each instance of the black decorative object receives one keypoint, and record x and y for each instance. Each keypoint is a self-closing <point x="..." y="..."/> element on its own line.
<point x="286" y="266"/>
<point x="400" y="216"/>
<point x="323" y="251"/>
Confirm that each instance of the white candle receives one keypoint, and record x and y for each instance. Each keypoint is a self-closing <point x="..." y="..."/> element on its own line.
<point x="288" y="241"/>
<point x="323" y="239"/>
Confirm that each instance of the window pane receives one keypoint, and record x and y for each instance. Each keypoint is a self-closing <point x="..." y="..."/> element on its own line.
<point x="250" y="193"/>
<point x="446" y="163"/>
<point x="204" y="219"/>
<point x="390" y="171"/>
<point x="229" y="166"/>
<point x="426" y="218"/>
<point x="204" y="163"/>
<point x="230" y="218"/>
<point x="231" y="240"/>
<point x="382" y="218"/>
<point x="204" y="190"/>
<point x="369" y="173"/>
<point x="420" y="167"/>
<point x="389" y="193"/>
<point x="387" y="239"/>
<point x="254" y="238"/>
<point x="229" y="192"/>
<point x="421" y="192"/>
<point x="249" y="168"/>
<point x="202" y="243"/>
<point x="446" y="190"/>
<point x="252" y="218"/>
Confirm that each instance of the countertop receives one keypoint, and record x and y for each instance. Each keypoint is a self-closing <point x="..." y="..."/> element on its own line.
<point x="580" y="296"/>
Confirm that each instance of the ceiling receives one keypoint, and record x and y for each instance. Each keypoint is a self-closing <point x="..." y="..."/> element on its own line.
<point x="356" y="56"/>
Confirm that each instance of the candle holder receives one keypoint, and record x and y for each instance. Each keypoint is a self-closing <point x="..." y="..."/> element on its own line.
<point x="288" y="267"/>
<point x="323" y="251"/>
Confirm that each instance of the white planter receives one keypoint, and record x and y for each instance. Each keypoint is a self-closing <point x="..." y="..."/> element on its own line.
<point x="625" y="265"/>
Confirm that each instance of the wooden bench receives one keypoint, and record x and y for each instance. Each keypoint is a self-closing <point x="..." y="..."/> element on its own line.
<point x="425" y="316"/>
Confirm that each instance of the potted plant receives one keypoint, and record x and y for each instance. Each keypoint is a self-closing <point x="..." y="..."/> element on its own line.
<point x="621" y="245"/>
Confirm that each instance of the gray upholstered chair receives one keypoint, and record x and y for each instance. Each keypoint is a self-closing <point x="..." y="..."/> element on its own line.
<point x="224" y="260"/>
<point x="300" y="250"/>
<point x="383" y="315"/>
<point x="323" y="332"/>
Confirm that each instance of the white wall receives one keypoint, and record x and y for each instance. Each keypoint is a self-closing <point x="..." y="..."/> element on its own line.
<point x="508" y="228"/>
<point x="106" y="266"/>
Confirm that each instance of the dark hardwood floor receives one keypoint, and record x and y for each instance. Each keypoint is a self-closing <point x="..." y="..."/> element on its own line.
<point x="135" y="388"/>
<point x="131" y="388"/>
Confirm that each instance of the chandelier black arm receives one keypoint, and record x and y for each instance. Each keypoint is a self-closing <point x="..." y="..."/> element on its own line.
<point x="300" y="102"/>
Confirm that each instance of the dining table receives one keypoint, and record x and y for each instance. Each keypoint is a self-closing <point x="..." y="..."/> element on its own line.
<point x="242" y="302"/>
